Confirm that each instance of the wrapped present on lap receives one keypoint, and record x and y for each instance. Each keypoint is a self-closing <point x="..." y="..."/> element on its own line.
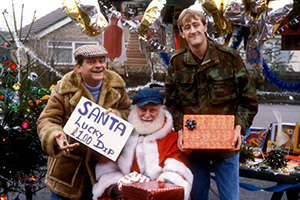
<point x="208" y="131"/>
<point x="133" y="177"/>
<point x="152" y="191"/>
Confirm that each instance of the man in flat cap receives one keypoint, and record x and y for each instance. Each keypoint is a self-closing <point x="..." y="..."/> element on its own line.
<point x="71" y="167"/>
<point x="151" y="149"/>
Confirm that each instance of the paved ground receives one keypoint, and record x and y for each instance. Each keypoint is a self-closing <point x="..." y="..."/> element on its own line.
<point x="290" y="113"/>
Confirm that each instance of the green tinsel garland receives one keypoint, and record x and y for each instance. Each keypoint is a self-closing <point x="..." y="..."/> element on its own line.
<point x="276" y="159"/>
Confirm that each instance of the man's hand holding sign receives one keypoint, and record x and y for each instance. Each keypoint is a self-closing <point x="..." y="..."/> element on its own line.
<point x="70" y="168"/>
<point x="98" y="128"/>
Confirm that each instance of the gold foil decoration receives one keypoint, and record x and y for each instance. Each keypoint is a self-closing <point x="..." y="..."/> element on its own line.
<point x="253" y="8"/>
<point x="87" y="15"/>
<point x="17" y="86"/>
<point x="151" y="15"/>
<point x="209" y="22"/>
<point x="216" y="9"/>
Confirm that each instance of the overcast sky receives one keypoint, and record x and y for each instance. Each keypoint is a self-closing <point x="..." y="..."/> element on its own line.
<point x="42" y="7"/>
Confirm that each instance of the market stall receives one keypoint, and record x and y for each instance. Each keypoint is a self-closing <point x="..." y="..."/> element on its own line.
<point x="272" y="154"/>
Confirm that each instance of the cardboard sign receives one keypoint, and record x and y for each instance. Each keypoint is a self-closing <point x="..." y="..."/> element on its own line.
<point x="288" y="129"/>
<point x="256" y="137"/>
<point x="106" y="134"/>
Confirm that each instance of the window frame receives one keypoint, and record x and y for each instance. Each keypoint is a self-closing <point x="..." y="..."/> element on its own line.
<point x="72" y="46"/>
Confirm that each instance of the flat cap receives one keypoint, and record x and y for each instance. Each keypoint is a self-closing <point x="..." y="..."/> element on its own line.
<point x="90" y="51"/>
<point x="146" y="96"/>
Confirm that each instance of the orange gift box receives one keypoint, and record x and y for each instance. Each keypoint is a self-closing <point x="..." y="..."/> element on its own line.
<point x="208" y="131"/>
<point x="297" y="138"/>
<point x="152" y="191"/>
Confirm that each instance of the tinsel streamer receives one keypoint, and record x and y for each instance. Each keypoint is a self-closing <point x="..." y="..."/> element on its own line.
<point x="294" y="21"/>
<point x="286" y="94"/>
<point x="57" y="73"/>
<point x="165" y="58"/>
<point x="238" y="39"/>
<point x="20" y="47"/>
<point x="271" y="77"/>
<point x="141" y="87"/>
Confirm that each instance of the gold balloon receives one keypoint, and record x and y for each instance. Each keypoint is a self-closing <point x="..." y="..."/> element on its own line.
<point x="152" y="13"/>
<point x="90" y="19"/>
<point x="253" y="8"/>
<point x="216" y="9"/>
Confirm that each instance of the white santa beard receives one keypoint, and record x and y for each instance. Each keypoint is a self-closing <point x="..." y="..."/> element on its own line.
<point x="146" y="128"/>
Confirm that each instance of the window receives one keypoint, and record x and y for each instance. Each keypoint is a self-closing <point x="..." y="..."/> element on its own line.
<point x="61" y="52"/>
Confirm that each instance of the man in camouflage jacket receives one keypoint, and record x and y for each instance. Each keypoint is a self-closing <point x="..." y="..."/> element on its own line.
<point x="208" y="78"/>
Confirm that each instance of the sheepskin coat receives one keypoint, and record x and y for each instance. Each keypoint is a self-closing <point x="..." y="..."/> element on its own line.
<point x="66" y="175"/>
<point x="156" y="154"/>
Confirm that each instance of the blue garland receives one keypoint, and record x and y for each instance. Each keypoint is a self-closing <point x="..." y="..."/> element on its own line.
<point x="271" y="77"/>
<point x="238" y="39"/>
<point x="276" y="188"/>
<point x="165" y="58"/>
<point x="277" y="82"/>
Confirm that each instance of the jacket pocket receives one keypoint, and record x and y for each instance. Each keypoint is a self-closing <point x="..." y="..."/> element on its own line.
<point x="222" y="90"/>
<point x="186" y="91"/>
<point x="65" y="169"/>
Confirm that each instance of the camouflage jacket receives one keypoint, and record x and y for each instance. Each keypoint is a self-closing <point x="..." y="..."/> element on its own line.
<point x="220" y="85"/>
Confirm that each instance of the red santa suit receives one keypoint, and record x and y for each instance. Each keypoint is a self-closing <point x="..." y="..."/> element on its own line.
<point x="155" y="155"/>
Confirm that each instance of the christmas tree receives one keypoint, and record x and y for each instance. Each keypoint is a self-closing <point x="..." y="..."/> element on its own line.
<point x="22" y="99"/>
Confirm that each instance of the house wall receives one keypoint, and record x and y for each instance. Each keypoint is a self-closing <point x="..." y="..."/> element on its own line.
<point x="71" y="32"/>
<point x="295" y="60"/>
<point x="68" y="32"/>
